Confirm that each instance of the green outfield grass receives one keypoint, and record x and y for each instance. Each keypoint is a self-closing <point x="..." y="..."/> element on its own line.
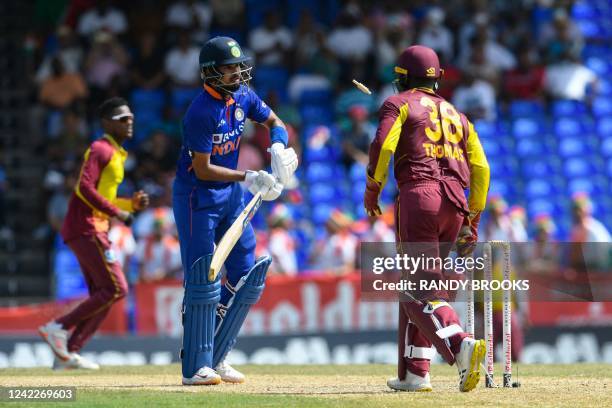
<point x="583" y="385"/>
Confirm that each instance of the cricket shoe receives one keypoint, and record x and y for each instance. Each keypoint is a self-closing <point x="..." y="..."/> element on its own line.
<point x="229" y="374"/>
<point x="57" y="338"/>
<point x="413" y="382"/>
<point x="204" y="376"/>
<point x="75" y="362"/>
<point x="468" y="361"/>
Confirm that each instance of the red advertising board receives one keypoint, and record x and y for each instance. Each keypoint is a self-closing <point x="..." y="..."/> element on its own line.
<point x="26" y="319"/>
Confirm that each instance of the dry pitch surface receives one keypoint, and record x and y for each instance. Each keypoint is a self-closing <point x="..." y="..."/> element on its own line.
<point x="584" y="385"/>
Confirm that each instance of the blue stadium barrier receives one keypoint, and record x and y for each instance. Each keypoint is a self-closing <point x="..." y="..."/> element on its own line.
<point x="316" y="115"/>
<point x="526" y="127"/>
<point x="358" y="172"/>
<point x="602" y="106"/>
<point x="591" y="185"/>
<point x="485" y="129"/>
<point x="605" y="87"/>
<point x="180" y="98"/>
<point x="604" y="127"/>
<point x="542" y="188"/>
<point x="525" y="108"/>
<point x="606" y="147"/>
<point x="504" y="167"/>
<point x="321" y="213"/>
<point x="148" y="99"/>
<point x="531" y="147"/>
<point x="583" y="10"/>
<point x="599" y="65"/>
<point x="580" y="167"/>
<point x="320" y="172"/>
<point x="568" y="108"/>
<point x="577" y="145"/>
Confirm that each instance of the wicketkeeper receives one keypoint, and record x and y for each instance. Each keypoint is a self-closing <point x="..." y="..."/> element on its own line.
<point x="437" y="155"/>
<point x="207" y="199"/>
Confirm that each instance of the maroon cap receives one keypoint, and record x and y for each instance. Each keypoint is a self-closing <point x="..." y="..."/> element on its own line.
<point x="419" y="61"/>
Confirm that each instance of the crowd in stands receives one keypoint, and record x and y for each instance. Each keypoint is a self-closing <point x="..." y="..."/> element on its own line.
<point x="508" y="65"/>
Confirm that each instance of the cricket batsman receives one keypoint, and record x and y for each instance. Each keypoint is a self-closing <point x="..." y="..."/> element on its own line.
<point x="85" y="230"/>
<point x="437" y="155"/>
<point x="207" y="198"/>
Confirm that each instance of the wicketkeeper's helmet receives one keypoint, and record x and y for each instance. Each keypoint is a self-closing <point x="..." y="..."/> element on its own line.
<point x="419" y="61"/>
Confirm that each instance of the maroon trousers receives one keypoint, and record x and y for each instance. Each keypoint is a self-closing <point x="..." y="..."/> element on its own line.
<point x="105" y="281"/>
<point x="428" y="222"/>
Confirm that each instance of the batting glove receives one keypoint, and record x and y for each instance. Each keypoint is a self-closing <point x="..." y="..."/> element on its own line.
<point x="259" y="181"/>
<point x="284" y="162"/>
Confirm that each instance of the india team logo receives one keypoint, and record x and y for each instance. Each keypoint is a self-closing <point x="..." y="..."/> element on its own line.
<point x="235" y="51"/>
<point x="239" y="114"/>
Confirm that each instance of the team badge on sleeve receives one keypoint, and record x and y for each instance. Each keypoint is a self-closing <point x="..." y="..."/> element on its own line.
<point x="239" y="114"/>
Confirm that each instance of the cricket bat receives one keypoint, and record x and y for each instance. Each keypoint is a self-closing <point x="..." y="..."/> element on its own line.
<point x="232" y="235"/>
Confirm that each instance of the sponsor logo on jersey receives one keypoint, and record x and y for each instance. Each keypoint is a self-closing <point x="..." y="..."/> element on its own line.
<point x="222" y="123"/>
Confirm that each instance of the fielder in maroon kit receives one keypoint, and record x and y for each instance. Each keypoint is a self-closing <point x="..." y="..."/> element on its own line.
<point x="437" y="155"/>
<point x="85" y="231"/>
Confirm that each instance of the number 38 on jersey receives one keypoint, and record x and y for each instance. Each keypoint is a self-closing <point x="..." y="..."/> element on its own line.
<point x="445" y="130"/>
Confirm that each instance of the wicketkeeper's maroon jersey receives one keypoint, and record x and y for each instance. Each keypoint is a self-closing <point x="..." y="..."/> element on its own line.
<point x="430" y="140"/>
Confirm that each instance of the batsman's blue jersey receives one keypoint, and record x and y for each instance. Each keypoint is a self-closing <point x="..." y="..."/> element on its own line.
<point x="214" y="125"/>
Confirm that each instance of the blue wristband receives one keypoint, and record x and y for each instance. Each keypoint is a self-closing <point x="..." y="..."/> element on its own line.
<point x="279" y="135"/>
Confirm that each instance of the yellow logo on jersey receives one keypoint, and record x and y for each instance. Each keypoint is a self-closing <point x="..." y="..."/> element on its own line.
<point x="431" y="72"/>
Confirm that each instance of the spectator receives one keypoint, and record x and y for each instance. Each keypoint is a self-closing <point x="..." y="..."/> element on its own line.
<point x="569" y="79"/>
<point x="190" y="15"/>
<point x="543" y="258"/>
<point x="67" y="150"/>
<point x="159" y="254"/>
<point x="157" y="155"/>
<point x="475" y="97"/>
<point x="62" y="88"/>
<point x="585" y="227"/>
<point x="271" y="42"/>
<point x="181" y="64"/>
<point x="357" y="138"/>
<point x="106" y="61"/>
<point x="450" y="80"/>
<point x="228" y="18"/>
<point x="351" y="42"/>
<point x="526" y="81"/>
<point x="518" y="224"/>
<point x="306" y="39"/>
<point x="498" y="226"/>
<point x="124" y="245"/>
<point x="544" y="228"/>
<point x="58" y="204"/>
<point x="69" y="52"/>
<point x="561" y="37"/>
<point x="494" y="55"/>
<point x="147" y="71"/>
<point x="435" y="35"/>
<point x="480" y="66"/>
<point x="324" y="62"/>
<point x="395" y="32"/>
<point x="337" y="252"/>
<point x="281" y="244"/>
<point x="102" y="17"/>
